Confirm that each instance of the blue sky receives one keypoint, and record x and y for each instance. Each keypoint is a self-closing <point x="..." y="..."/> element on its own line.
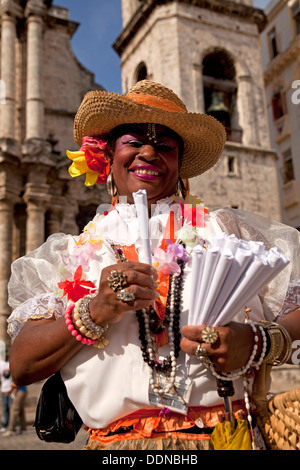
<point x="100" y="24"/>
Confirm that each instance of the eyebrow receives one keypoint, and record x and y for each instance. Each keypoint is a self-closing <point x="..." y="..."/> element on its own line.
<point x="140" y="129"/>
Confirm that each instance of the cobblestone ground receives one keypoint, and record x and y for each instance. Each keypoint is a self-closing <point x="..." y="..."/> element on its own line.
<point x="28" y="440"/>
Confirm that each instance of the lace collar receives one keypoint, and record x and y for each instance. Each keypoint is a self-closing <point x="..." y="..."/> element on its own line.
<point x="120" y="225"/>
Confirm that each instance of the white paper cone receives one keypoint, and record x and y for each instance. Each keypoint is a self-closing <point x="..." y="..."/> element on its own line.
<point x="255" y="278"/>
<point x="276" y="262"/>
<point x="197" y="268"/>
<point x="232" y="272"/>
<point x="224" y="263"/>
<point x="243" y="258"/>
<point x="141" y="204"/>
<point x="232" y="243"/>
<point x="276" y="258"/>
<point x="230" y="246"/>
<point x="219" y="240"/>
<point x="258" y="248"/>
<point x="243" y="290"/>
<point x="211" y="260"/>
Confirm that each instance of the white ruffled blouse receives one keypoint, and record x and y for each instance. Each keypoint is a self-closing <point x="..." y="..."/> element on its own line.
<point x="105" y="385"/>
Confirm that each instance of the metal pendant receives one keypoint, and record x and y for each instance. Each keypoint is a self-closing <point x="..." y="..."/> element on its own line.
<point x="176" y="399"/>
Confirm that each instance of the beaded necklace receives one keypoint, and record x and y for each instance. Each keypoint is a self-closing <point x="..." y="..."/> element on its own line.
<point x="150" y="324"/>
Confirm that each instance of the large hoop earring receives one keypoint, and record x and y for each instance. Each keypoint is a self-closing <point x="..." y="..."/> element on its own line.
<point x="111" y="187"/>
<point x="181" y="189"/>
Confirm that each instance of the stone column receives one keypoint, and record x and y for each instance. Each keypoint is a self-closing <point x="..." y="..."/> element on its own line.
<point x="35" y="226"/>
<point x="53" y="221"/>
<point x="6" y="219"/>
<point x="54" y="214"/>
<point x="8" y="37"/>
<point x="36" y="200"/>
<point x="69" y="218"/>
<point x="246" y="109"/>
<point x="198" y="91"/>
<point x="9" y="151"/>
<point x="34" y="87"/>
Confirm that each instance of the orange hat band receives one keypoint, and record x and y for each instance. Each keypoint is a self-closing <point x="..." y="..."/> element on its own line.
<point x="166" y="105"/>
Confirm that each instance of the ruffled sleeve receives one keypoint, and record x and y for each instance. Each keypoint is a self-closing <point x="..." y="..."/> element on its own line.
<point x="282" y="295"/>
<point x="32" y="288"/>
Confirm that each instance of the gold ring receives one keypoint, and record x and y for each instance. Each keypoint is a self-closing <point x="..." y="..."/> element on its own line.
<point x="117" y="280"/>
<point x="125" y="296"/>
<point x="210" y="335"/>
<point x="203" y="356"/>
<point x="200" y="352"/>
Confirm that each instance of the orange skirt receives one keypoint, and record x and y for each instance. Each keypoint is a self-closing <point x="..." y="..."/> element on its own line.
<point x="160" y="430"/>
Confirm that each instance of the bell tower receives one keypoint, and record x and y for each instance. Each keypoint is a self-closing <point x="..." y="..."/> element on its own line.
<point x="208" y="52"/>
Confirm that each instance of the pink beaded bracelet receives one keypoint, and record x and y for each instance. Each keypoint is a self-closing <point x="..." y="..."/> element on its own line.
<point x="72" y="328"/>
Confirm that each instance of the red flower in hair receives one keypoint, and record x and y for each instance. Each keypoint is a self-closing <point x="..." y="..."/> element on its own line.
<point x="95" y="151"/>
<point x="92" y="159"/>
<point x="97" y="163"/>
<point x="78" y="288"/>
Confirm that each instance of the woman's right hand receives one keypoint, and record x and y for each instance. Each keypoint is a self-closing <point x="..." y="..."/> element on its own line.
<point x="141" y="281"/>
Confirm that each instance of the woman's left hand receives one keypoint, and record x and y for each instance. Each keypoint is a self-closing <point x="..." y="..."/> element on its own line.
<point x="230" y="352"/>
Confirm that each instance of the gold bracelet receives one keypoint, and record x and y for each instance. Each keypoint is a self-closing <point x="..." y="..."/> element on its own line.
<point x="288" y="343"/>
<point x="86" y="326"/>
<point x="279" y="341"/>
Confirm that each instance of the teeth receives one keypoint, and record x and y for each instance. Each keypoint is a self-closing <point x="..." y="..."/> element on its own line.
<point x="147" y="172"/>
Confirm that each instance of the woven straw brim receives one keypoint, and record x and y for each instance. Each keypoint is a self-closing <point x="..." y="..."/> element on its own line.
<point x="203" y="136"/>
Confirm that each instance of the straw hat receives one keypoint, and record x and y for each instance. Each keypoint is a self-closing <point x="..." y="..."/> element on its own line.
<point x="149" y="102"/>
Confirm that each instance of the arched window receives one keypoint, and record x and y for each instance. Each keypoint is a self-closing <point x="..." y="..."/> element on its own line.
<point x="141" y="73"/>
<point x="219" y="65"/>
<point x="220" y="90"/>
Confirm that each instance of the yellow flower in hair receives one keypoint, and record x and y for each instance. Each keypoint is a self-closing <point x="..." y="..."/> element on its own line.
<point x="80" y="167"/>
<point x="92" y="159"/>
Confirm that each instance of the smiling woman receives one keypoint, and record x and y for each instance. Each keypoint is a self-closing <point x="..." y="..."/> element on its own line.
<point x="146" y="157"/>
<point x="115" y="326"/>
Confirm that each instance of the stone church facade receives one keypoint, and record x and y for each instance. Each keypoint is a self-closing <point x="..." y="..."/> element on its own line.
<point x="42" y="85"/>
<point x="209" y="53"/>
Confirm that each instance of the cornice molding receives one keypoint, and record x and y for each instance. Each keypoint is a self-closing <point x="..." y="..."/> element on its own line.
<point x="42" y="9"/>
<point x="55" y="22"/>
<point x="10" y="8"/>
<point x="35" y="8"/>
<point x="282" y="61"/>
<point x="228" y="7"/>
